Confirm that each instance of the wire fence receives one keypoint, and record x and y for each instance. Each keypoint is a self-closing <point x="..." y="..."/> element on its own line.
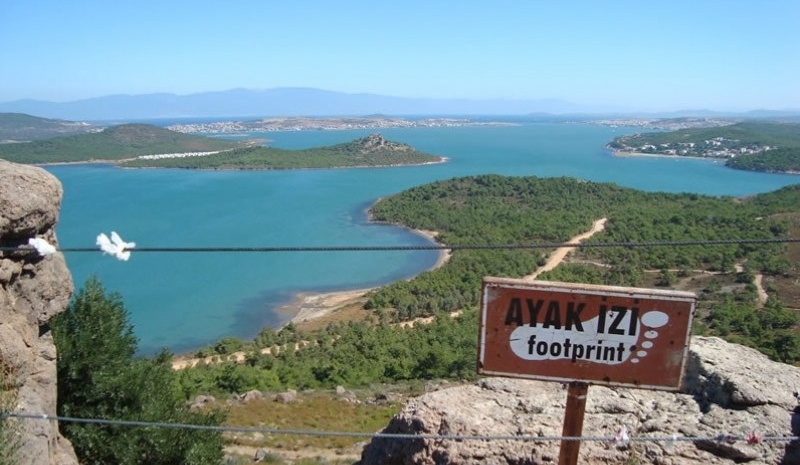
<point x="452" y="247"/>
<point x="751" y="438"/>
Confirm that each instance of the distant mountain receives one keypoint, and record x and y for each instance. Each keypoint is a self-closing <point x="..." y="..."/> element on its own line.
<point x="113" y="143"/>
<point x="19" y="127"/>
<point x="279" y="102"/>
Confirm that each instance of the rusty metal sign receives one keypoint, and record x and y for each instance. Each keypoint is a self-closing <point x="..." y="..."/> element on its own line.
<point x="607" y="335"/>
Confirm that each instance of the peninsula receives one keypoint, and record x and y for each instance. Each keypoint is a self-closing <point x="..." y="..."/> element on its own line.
<point x="148" y="146"/>
<point x="751" y="145"/>
<point x="371" y="151"/>
<point x="19" y="127"/>
<point x="112" y="144"/>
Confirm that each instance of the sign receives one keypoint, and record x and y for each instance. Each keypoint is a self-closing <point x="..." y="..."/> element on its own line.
<point x="608" y="335"/>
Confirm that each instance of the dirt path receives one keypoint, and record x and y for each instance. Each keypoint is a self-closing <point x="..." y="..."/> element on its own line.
<point x="555" y="259"/>
<point x="321" y="304"/>
<point x="762" y="294"/>
<point x="561" y="253"/>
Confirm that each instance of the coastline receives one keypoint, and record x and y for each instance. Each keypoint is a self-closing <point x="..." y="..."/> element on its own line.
<point x="619" y="153"/>
<point x="117" y="165"/>
<point x="309" y="306"/>
<point x="622" y="154"/>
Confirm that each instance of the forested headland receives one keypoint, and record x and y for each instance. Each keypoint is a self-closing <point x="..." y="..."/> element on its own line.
<point x="19" y="127"/>
<point x="372" y="150"/>
<point x="751" y="145"/>
<point x="486" y="210"/>
<point x="95" y="341"/>
<point x="147" y="146"/>
<point x="111" y="144"/>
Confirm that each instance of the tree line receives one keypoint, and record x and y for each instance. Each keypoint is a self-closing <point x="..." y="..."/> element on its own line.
<point x="350" y="154"/>
<point x="100" y="376"/>
<point x="528" y="210"/>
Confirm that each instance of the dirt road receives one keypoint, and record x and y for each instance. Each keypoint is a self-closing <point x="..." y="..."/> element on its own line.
<point x="561" y="253"/>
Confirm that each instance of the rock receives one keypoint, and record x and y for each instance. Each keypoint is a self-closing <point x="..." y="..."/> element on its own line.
<point x="251" y="395"/>
<point x="260" y="455"/>
<point x="200" y="402"/>
<point x="387" y="398"/>
<point x="286" y="397"/>
<point x="347" y="396"/>
<point x="32" y="290"/>
<point x="738" y="378"/>
<point x="720" y="397"/>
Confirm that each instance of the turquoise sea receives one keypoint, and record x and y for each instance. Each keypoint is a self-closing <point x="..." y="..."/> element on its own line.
<point x="186" y="300"/>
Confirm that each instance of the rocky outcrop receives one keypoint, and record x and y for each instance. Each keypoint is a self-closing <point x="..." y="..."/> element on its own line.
<point x="729" y="389"/>
<point x="32" y="290"/>
<point x="375" y="142"/>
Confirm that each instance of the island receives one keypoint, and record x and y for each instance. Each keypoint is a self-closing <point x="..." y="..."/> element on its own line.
<point x="371" y="151"/>
<point x="148" y="146"/>
<point x="772" y="147"/>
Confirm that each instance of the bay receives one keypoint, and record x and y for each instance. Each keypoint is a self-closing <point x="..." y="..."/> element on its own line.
<point x="186" y="300"/>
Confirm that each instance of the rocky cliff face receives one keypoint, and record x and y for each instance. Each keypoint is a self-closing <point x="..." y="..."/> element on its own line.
<point x="729" y="389"/>
<point x="32" y="290"/>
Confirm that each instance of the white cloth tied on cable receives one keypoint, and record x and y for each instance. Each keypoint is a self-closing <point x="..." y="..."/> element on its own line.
<point x="41" y="246"/>
<point x="115" y="246"/>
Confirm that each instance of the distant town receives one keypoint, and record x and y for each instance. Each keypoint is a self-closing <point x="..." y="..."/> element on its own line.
<point x="717" y="147"/>
<point x="324" y="124"/>
<point x="665" y="124"/>
<point x="727" y="141"/>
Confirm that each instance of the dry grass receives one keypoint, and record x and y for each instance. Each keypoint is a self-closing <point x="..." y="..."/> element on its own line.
<point x="787" y="287"/>
<point x="318" y="411"/>
<point x="351" y="312"/>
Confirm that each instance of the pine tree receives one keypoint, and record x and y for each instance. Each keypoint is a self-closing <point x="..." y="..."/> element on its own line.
<point x="100" y="377"/>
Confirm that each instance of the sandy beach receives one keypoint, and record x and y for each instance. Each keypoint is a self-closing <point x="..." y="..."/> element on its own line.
<point x="308" y="306"/>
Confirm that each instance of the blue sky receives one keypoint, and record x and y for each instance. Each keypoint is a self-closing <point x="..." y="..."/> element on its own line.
<point x="639" y="55"/>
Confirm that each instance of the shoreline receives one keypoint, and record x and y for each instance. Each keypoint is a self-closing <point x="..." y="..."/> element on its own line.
<point x="619" y="153"/>
<point x="116" y="164"/>
<point x="311" y="305"/>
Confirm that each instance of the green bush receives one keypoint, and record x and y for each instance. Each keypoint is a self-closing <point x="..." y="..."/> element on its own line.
<point x="99" y="377"/>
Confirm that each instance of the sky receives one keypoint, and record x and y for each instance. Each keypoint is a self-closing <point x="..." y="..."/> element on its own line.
<point x="726" y="55"/>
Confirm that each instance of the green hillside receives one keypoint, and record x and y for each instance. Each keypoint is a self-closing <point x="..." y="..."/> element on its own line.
<point x="113" y="143"/>
<point x="750" y="145"/>
<point x="19" y="127"/>
<point x="373" y="150"/>
<point x="490" y="209"/>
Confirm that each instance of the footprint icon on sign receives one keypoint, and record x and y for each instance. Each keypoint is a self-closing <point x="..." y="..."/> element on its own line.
<point x="610" y="338"/>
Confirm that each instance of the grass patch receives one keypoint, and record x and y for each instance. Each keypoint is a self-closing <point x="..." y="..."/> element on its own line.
<point x="318" y="411"/>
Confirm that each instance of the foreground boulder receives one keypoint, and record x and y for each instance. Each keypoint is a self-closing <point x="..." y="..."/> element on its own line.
<point x="32" y="290"/>
<point x="729" y="389"/>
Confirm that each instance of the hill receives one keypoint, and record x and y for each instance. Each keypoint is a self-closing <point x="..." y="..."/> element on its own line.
<point x="749" y="145"/>
<point x="288" y="101"/>
<point x="485" y="210"/>
<point x="112" y="144"/>
<point x="372" y="150"/>
<point x="370" y="347"/>
<point x="19" y="127"/>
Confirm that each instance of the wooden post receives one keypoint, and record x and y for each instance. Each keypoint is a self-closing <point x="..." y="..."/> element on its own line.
<point x="573" y="422"/>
